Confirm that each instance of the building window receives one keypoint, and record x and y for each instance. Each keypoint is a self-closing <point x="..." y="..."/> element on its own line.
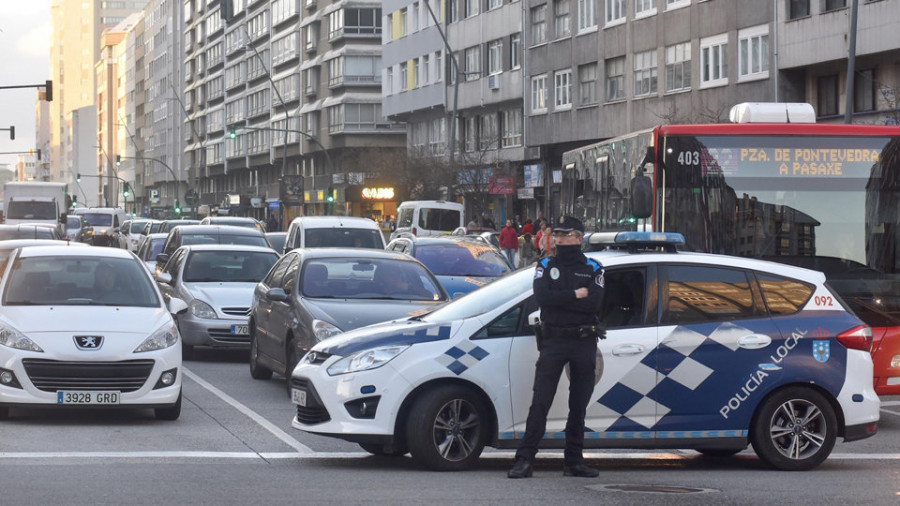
<point x="714" y="61"/>
<point x="753" y="53"/>
<point x="827" y="95"/>
<point x="404" y="76"/>
<point x="677" y="4"/>
<point x="539" y="94"/>
<point x="472" y="8"/>
<point x="562" y="89"/>
<point x="512" y="127"/>
<point x="678" y="67"/>
<point x="436" y="136"/>
<point x="424" y="69"/>
<point x="798" y="9"/>
<point x="644" y="8"/>
<point x="864" y="91"/>
<point x="488" y="138"/>
<point x="539" y="24"/>
<point x="615" y="11"/>
<point x="494" y="4"/>
<point x="561" y="24"/>
<point x="587" y="14"/>
<point x="615" y="79"/>
<point x="470" y="135"/>
<point x="587" y="84"/>
<point x="403" y="21"/>
<point x="833" y="5"/>
<point x="473" y="63"/>
<point x="389" y="81"/>
<point x="495" y="56"/>
<point x="645" y="73"/>
<point x="515" y="49"/>
<point x="438" y="67"/>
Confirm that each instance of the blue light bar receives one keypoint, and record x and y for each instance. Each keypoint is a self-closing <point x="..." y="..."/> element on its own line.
<point x="650" y="238"/>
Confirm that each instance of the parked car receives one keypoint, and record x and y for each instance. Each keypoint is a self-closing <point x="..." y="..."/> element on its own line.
<point x="130" y="232"/>
<point x="151" y="245"/>
<point x="311" y="294"/>
<point x="235" y="221"/>
<point x="29" y="231"/>
<point x="87" y="327"/>
<point x="428" y="217"/>
<point x="333" y="232"/>
<point x="217" y="282"/>
<point x="461" y="263"/>
<point x="704" y="352"/>
<point x="208" y="234"/>
<point x="79" y="230"/>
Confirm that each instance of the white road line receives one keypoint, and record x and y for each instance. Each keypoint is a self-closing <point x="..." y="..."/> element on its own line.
<point x="269" y="426"/>
<point x="890" y="403"/>
<point x="889" y="411"/>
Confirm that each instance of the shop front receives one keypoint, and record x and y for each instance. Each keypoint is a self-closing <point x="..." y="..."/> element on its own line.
<point x="375" y="200"/>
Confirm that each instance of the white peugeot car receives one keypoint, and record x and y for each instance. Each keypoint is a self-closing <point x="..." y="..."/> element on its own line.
<point x="703" y="352"/>
<point x="86" y="327"/>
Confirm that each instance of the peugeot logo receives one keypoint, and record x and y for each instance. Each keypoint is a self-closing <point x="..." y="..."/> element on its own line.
<point x="88" y="342"/>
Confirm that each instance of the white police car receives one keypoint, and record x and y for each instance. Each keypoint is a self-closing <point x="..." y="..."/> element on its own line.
<point x="703" y="352"/>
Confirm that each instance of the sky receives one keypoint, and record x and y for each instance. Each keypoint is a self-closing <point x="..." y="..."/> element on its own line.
<point x="25" y="59"/>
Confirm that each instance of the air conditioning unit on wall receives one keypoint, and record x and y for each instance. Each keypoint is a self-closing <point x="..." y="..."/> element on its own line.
<point x="494" y="82"/>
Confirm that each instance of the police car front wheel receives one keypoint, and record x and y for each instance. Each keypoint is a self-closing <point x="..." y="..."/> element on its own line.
<point x="447" y="428"/>
<point x="794" y="430"/>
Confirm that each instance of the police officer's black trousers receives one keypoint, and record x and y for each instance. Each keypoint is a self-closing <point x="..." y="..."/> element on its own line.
<point x="580" y="354"/>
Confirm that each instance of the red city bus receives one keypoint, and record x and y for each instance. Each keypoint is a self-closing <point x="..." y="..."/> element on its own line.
<point x="822" y="196"/>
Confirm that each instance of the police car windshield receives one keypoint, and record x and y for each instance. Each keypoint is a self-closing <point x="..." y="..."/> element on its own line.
<point x="484" y="299"/>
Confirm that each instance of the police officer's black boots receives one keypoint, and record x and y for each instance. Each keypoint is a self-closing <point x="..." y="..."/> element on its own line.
<point x="522" y="469"/>
<point x="580" y="470"/>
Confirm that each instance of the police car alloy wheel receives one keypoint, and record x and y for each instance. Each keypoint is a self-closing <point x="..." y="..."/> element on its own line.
<point x="794" y="430"/>
<point x="447" y="428"/>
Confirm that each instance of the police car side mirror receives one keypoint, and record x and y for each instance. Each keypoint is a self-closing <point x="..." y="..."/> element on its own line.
<point x="534" y="319"/>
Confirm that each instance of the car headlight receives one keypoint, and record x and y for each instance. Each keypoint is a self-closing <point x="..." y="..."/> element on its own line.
<point x="166" y="336"/>
<point x="201" y="309"/>
<point x="324" y="330"/>
<point x="366" y="360"/>
<point x="14" y="339"/>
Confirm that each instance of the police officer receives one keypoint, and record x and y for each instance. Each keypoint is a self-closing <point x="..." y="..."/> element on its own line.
<point x="569" y="290"/>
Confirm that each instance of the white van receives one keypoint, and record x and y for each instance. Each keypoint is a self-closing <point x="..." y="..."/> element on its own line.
<point x="428" y="217"/>
<point x="333" y="232"/>
<point x="106" y="222"/>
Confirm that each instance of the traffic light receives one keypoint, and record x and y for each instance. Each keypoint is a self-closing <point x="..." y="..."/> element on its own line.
<point x="330" y="196"/>
<point x="78" y="177"/>
<point x="118" y="160"/>
<point x="126" y="190"/>
<point x="177" y="208"/>
<point x="48" y="90"/>
<point x="232" y="134"/>
<point x="74" y="200"/>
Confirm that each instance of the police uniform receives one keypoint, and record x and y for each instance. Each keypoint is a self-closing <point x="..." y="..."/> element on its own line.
<point x="568" y="334"/>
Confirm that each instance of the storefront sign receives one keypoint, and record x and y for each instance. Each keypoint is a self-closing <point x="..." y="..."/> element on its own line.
<point x="502" y="186"/>
<point x="256" y="202"/>
<point x="378" y="193"/>
<point x="234" y="200"/>
<point x="525" y="193"/>
<point x="533" y="176"/>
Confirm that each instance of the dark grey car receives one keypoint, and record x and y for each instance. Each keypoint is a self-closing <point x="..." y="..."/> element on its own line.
<point x="315" y="293"/>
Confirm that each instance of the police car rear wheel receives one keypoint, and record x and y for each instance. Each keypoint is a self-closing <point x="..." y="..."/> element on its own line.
<point x="794" y="430"/>
<point x="447" y="429"/>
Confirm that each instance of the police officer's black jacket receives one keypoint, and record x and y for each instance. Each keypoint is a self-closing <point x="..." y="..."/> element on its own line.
<point x="555" y="281"/>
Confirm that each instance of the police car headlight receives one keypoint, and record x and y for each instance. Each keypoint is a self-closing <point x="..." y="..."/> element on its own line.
<point x="324" y="330"/>
<point x="166" y="336"/>
<point x="203" y="310"/>
<point x="366" y="360"/>
<point x="12" y="338"/>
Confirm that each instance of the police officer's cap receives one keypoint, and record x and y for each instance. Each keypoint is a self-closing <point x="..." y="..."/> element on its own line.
<point x="568" y="224"/>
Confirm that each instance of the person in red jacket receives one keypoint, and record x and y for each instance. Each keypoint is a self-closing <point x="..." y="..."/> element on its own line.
<point x="527" y="228"/>
<point x="509" y="242"/>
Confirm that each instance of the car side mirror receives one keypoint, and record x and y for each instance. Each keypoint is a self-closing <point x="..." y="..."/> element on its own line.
<point x="276" y="295"/>
<point x="176" y="305"/>
<point x="164" y="277"/>
<point x="534" y="319"/>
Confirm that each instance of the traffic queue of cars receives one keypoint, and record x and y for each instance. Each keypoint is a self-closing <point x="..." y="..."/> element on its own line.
<point x="706" y="352"/>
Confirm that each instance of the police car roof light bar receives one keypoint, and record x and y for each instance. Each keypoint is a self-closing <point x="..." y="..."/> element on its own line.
<point x="634" y="241"/>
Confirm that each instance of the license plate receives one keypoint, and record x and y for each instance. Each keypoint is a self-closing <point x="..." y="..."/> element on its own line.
<point x="298" y="397"/>
<point x="240" y="330"/>
<point x="86" y="398"/>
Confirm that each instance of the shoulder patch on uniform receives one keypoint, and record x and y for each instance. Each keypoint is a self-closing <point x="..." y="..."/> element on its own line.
<point x="544" y="262"/>
<point x="538" y="272"/>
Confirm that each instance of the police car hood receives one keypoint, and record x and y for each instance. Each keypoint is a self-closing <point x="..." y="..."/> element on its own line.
<point x="395" y="333"/>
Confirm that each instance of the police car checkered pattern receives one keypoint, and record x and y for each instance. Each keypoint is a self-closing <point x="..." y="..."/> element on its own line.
<point x="463" y="356"/>
<point x="630" y="404"/>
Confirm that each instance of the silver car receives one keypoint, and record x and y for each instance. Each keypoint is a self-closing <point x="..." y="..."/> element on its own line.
<point x="217" y="282"/>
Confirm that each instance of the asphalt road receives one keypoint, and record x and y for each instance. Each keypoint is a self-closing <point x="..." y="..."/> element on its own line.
<point x="234" y="445"/>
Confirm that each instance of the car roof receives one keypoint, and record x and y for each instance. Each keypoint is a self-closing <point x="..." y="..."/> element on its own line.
<point x="440" y="239"/>
<point x="275" y="234"/>
<point x="218" y="229"/>
<point x="38" y="251"/>
<point x="334" y="221"/>
<point x="226" y="247"/>
<point x="242" y="219"/>
<point x="23" y="243"/>
<point x="157" y="235"/>
<point x="615" y="258"/>
<point x="349" y="252"/>
<point x="26" y="226"/>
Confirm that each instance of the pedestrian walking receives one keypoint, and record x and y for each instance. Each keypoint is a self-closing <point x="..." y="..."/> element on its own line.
<point x="509" y="242"/>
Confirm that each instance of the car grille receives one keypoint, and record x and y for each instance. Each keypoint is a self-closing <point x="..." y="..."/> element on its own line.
<point x="225" y="336"/>
<point x="53" y="375"/>
<point x="236" y="311"/>
<point x="314" y="412"/>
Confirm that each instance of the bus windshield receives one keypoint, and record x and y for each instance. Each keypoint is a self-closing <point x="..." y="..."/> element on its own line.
<point x="823" y="202"/>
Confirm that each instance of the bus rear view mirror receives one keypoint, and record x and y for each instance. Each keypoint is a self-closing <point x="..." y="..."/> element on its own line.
<point x="641" y="196"/>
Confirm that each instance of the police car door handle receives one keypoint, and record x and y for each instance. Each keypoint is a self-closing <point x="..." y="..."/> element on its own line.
<point x="754" y="341"/>
<point x="628" y="349"/>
